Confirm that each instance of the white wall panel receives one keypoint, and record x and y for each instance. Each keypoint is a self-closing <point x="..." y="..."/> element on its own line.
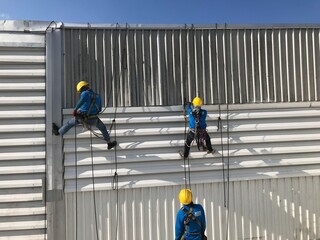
<point x="280" y="208"/>
<point x="273" y="156"/>
<point x="22" y="141"/>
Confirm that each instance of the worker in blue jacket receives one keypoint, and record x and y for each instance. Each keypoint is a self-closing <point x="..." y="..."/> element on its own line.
<point x="191" y="220"/>
<point x="86" y="111"/>
<point x="197" y="127"/>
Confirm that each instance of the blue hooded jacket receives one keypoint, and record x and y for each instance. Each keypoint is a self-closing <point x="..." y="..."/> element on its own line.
<point x="194" y="231"/>
<point x="85" y="101"/>
<point x="192" y="119"/>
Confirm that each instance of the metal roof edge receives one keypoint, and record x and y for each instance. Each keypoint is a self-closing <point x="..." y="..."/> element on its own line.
<point x="42" y="26"/>
<point x="188" y="26"/>
<point x="27" y="26"/>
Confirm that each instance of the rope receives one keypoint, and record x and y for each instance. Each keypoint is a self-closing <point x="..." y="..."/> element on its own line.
<point x="185" y="139"/>
<point x="228" y="175"/>
<point x="115" y="183"/>
<point x="93" y="187"/>
<point x="227" y="201"/>
<point x="123" y="65"/>
<point x="186" y="160"/>
<point x="76" y="173"/>
<point x="98" y="135"/>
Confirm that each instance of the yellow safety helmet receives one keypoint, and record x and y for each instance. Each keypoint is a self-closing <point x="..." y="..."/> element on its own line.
<point x="197" y="102"/>
<point x="185" y="196"/>
<point x="81" y="84"/>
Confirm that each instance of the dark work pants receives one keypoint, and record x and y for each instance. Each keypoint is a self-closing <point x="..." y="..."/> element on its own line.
<point x="190" y="137"/>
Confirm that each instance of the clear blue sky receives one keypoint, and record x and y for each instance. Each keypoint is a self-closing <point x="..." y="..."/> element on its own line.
<point x="164" y="11"/>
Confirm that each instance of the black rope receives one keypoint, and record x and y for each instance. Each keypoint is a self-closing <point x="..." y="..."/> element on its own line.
<point x="223" y="160"/>
<point x="123" y="64"/>
<point x="228" y="175"/>
<point x="115" y="183"/>
<point x="227" y="201"/>
<point x="186" y="160"/>
<point x="185" y="131"/>
<point x="185" y="139"/>
<point x="76" y="173"/>
<point x="96" y="134"/>
<point x="93" y="187"/>
<point x="111" y="89"/>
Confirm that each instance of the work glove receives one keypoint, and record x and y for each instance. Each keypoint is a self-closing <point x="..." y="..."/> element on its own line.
<point x="74" y="113"/>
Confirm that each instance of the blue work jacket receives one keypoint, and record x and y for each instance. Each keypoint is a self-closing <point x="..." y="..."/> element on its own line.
<point x="85" y="101"/>
<point x="194" y="231"/>
<point x="192" y="119"/>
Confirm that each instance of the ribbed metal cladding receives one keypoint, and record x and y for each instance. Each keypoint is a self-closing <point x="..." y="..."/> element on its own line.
<point x="22" y="141"/>
<point x="265" y="209"/>
<point x="271" y="188"/>
<point x="141" y="66"/>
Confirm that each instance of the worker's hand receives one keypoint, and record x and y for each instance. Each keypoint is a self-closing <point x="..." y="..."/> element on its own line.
<point x="74" y="113"/>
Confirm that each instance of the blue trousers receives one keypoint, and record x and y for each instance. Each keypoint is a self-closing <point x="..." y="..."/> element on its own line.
<point x="90" y="121"/>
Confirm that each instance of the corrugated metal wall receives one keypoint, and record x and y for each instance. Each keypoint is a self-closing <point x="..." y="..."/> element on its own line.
<point x="146" y="66"/>
<point x="273" y="155"/>
<point x="22" y="141"/>
<point x="279" y="208"/>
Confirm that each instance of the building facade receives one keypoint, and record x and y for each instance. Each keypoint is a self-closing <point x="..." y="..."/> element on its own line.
<point x="260" y="85"/>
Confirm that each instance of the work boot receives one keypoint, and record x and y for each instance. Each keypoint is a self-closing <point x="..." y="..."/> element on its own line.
<point x="181" y="153"/>
<point x="112" y="145"/>
<point x="55" y="129"/>
<point x="211" y="151"/>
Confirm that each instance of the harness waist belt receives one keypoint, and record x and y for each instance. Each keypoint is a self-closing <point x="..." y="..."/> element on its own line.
<point x="92" y="116"/>
<point x="199" y="130"/>
<point x="193" y="233"/>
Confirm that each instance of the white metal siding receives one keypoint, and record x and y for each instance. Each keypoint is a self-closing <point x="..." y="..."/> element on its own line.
<point x="274" y="174"/>
<point x="268" y="209"/>
<point x="22" y="141"/>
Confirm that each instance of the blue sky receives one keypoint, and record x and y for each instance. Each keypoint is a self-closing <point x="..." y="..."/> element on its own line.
<point x="164" y="11"/>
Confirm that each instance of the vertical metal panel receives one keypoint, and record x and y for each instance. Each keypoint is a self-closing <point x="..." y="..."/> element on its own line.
<point x="243" y="65"/>
<point x="22" y="143"/>
<point x="283" y="208"/>
<point x="273" y="151"/>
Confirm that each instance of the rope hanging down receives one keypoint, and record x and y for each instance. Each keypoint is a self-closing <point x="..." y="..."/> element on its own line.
<point x="186" y="160"/>
<point x="93" y="187"/>
<point x="99" y="135"/>
<point x="226" y="186"/>
<point x="76" y="175"/>
<point x="115" y="181"/>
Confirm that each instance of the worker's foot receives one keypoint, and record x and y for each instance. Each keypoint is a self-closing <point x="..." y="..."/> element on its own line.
<point x="112" y="144"/>
<point x="55" y="129"/>
<point x="181" y="153"/>
<point x="211" y="151"/>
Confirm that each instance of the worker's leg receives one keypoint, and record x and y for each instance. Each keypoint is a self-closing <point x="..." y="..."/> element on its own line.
<point x="188" y="143"/>
<point x="67" y="126"/>
<point x="208" y="142"/>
